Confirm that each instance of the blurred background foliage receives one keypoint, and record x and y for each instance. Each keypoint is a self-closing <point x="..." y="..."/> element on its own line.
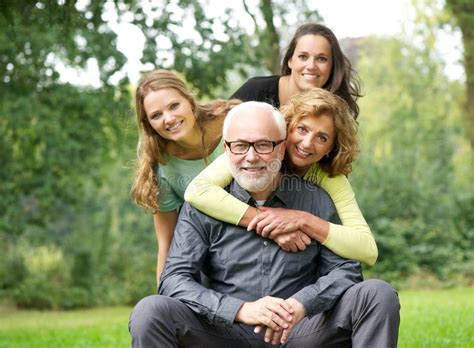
<point x="69" y="235"/>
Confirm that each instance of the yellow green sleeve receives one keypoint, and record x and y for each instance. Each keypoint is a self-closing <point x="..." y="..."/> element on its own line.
<point x="206" y="193"/>
<point x="353" y="239"/>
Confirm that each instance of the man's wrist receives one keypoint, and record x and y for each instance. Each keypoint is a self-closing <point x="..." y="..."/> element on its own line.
<point x="297" y="306"/>
<point x="228" y="309"/>
<point x="240" y="315"/>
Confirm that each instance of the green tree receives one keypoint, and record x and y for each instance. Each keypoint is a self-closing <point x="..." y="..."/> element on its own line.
<point x="56" y="139"/>
<point x="53" y="134"/>
<point x="65" y="149"/>
<point x="220" y="43"/>
<point x="405" y="178"/>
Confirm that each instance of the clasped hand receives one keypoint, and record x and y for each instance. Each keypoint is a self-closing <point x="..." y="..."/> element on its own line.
<point x="277" y="315"/>
<point x="281" y="225"/>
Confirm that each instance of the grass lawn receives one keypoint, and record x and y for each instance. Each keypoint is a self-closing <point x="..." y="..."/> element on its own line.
<point x="103" y="327"/>
<point x="438" y="318"/>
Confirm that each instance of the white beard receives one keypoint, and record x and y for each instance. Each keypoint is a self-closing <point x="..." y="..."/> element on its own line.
<point x="257" y="182"/>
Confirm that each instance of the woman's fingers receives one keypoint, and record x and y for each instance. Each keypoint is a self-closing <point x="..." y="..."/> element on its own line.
<point x="255" y="221"/>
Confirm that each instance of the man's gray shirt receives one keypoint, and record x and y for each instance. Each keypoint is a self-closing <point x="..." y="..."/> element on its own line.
<point x="242" y="266"/>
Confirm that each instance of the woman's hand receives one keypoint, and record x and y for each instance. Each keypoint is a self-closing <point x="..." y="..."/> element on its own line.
<point x="272" y="222"/>
<point x="282" y="226"/>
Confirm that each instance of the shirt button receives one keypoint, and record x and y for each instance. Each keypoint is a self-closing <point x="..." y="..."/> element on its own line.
<point x="265" y="243"/>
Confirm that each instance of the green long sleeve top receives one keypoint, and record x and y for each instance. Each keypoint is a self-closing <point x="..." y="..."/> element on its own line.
<point x="353" y="239"/>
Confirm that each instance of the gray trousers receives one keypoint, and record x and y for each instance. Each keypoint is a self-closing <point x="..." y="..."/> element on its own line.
<point x="367" y="315"/>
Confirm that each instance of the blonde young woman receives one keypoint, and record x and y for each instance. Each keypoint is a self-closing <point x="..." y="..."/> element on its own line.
<point x="178" y="138"/>
<point x="321" y="146"/>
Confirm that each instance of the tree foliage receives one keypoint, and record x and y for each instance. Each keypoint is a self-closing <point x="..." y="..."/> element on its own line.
<point x="219" y="43"/>
<point x="57" y="143"/>
<point x="53" y="134"/>
<point x="69" y="235"/>
<point x="407" y="178"/>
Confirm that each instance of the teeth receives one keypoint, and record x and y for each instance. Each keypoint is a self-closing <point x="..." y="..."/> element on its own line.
<point x="302" y="152"/>
<point x="310" y="76"/>
<point x="176" y="126"/>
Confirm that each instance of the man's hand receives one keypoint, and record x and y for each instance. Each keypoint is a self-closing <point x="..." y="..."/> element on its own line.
<point x="272" y="222"/>
<point x="298" y="314"/>
<point x="272" y="312"/>
<point x="282" y="336"/>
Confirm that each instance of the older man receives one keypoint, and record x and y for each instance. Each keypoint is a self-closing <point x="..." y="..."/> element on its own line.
<point x="257" y="294"/>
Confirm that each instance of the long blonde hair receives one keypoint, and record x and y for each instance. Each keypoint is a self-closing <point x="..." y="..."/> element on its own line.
<point x="152" y="148"/>
<point x="316" y="102"/>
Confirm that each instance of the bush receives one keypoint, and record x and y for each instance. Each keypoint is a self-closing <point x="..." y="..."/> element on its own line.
<point x="36" y="291"/>
<point x="12" y="270"/>
<point x="75" y="297"/>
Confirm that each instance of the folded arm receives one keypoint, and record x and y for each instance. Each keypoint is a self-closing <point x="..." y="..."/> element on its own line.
<point x="353" y="239"/>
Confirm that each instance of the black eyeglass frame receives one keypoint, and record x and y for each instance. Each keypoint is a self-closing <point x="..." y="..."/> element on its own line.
<point x="252" y="144"/>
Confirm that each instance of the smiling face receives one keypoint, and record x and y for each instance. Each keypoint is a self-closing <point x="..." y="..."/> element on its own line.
<point x="311" y="138"/>
<point x="255" y="172"/>
<point x="310" y="63"/>
<point x="169" y="113"/>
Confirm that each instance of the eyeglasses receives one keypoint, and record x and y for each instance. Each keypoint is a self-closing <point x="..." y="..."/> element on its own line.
<point x="261" y="147"/>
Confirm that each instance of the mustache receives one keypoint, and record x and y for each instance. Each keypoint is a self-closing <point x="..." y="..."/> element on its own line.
<point x="273" y="166"/>
<point x="253" y="165"/>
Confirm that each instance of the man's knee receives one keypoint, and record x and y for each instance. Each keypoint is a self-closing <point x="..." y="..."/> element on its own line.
<point x="149" y="311"/>
<point x="380" y="293"/>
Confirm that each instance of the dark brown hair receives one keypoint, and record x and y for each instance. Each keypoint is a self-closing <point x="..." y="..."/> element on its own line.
<point x="343" y="80"/>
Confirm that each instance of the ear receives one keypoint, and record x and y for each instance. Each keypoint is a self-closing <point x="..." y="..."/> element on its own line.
<point x="226" y="149"/>
<point x="282" y="149"/>
<point x="290" y="63"/>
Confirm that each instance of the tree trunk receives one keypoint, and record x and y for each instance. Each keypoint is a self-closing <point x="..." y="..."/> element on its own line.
<point x="468" y="41"/>
<point x="271" y="36"/>
<point x="463" y="11"/>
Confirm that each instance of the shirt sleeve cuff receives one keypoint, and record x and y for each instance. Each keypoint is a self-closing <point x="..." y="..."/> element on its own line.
<point x="307" y="299"/>
<point x="228" y="310"/>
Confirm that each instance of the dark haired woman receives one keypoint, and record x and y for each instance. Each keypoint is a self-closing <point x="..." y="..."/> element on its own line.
<point x="313" y="59"/>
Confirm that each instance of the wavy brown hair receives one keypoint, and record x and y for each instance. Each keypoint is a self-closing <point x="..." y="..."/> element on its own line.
<point x="343" y="80"/>
<point x="152" y="148"/>
<point x="316" y="102"/>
